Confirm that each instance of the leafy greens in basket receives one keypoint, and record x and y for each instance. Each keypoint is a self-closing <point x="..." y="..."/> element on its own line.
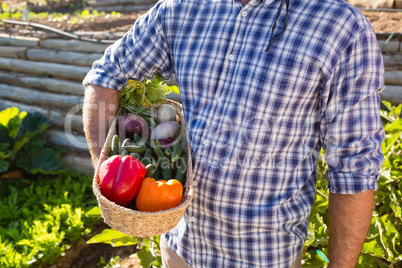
<point x="139" y="94"/>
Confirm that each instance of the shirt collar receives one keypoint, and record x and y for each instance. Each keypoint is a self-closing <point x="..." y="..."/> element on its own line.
<point x="266" y="3"/>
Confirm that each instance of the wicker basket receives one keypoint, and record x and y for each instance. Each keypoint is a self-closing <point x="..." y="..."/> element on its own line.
<point x="144" y="224"/>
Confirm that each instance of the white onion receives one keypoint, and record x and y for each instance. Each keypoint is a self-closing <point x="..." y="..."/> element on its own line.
<point x="165" y="130"/>
<point x="166" y="112"/>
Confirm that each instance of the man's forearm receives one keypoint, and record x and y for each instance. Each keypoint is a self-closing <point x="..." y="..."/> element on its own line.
<point x="350" y="217"/>
<point x="100" y="107"/>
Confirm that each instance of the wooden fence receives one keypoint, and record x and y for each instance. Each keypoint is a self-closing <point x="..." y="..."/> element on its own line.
<point x="45" y="76"/>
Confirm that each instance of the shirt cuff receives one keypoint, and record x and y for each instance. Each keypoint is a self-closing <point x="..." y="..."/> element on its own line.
<point x="349" y="183"/>
<point x="95" y="78"/>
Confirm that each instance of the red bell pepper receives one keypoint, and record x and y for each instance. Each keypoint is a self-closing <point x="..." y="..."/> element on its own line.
<point x="121" y="178"/>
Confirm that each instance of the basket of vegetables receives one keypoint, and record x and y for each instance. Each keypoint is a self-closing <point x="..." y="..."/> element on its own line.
<point x="143" y="181"/>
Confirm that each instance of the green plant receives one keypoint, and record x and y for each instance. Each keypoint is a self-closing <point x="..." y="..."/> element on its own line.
<point x="149" y="248"/>
<point x="111" y="264"/>
<point x="41" y="218"/>
<point x="22" y="144"/>
<point x="382" y="247"/>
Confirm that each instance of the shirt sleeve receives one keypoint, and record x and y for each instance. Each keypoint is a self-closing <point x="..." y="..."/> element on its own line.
<point x="351" y="130"/>
<point x="139" y="54"/>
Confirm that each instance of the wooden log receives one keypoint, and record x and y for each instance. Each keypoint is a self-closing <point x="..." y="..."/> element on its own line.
<point x="392" y="60"/>
<point x="174" y="96"/>
<point x="56" y="117"/>
<point x="391" y="46"/>
<point x="100" y="34"/>
<point x="103" y="3"/>
<point x="78" y="162"/>
<point x="29" y="96"/>
<point x="43" y="84"/>
<point x="73" y="45"/>
<point x="61" y="138"/>
<point x="393" y="77"/>
<point x="7" y="40"/>
<point x="44" y="68"/>
<point x="392" y="94"/>
<point x="13" y="52"/>
<point x="122" y="9"/>
<point x="66" y="57"/>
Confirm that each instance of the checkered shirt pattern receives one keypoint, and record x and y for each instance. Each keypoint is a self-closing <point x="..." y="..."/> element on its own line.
<point x="257" y="120"/>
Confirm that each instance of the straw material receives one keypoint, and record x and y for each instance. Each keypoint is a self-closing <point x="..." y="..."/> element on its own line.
<point x="145" y="224"/>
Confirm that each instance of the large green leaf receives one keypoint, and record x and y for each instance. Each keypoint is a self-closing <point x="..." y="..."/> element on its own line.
<point x="94" y="212"/>
<point x="395" y="126"/>
<point x="44" y="161"/>
<point x="3" y="166"/>
<point x="35" y="158"/>
<point x="11" y="118"/>
<point x="114" y="238"/>
<point x="6" y="143"/>
<point x="383" y="239"/>
<point x="389" y="142"/>
<point x="146" y="257"/>
<point x="32" y="125"/>
<point x="7" y="114"/>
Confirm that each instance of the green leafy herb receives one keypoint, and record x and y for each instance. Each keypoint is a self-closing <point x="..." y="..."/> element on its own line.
<point x="139" y="94"/>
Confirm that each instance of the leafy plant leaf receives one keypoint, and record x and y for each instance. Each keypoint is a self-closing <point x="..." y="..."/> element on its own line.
<point x="32" y="125"/>
<point x="5" y="143"/>
<point x="146" y="257"/>
<point x="3" y="166"/>
<point x="114" y="238"/>
<point x="94" y="212"/>
<point x="35" y="158"/>
<point x="389" y="141"/>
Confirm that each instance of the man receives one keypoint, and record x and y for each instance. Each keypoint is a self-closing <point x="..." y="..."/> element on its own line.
<point x="265" y="84"/>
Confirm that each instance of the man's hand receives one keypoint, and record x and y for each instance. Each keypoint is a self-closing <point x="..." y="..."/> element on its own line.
<point x="100" y="107"/>
<point x="350" y="217"/>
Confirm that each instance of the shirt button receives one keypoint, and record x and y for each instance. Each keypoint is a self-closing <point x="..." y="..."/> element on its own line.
<point x="219" y="99"/>
<point x="244" y="13"/>
<point x="193" y="219"/>
<point x="231" y="57"/>
<point x="206" y="142"/>
<point x="195" y="183"/>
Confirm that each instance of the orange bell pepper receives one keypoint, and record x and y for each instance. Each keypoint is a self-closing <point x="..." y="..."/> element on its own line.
<point x="159" y="195"/>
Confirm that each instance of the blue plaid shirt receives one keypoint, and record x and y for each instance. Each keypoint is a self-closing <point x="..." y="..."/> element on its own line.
<point x="258" y="120"/>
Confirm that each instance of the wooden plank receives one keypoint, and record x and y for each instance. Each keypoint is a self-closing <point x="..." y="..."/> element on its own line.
<point x="98" y="3"/>
<point x="59" y="137"/>
<point x="74" y="45"/>
<point x="391" y="46"/>
<point x="392" y="94"/>
<point x="56" y="117"/>
<point x="13" y="52"/>
<point x="66" y="57"/>
<point x="30" y="96"/>
<point x="43" y="84"/>
<point x="78" y="162"/>
<point x="7" y="40"/>
<point x="101" y="34"/>
<point x="392" y="60"/>
<point x="44" y="68"/>
<point x="393" y="77"/>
